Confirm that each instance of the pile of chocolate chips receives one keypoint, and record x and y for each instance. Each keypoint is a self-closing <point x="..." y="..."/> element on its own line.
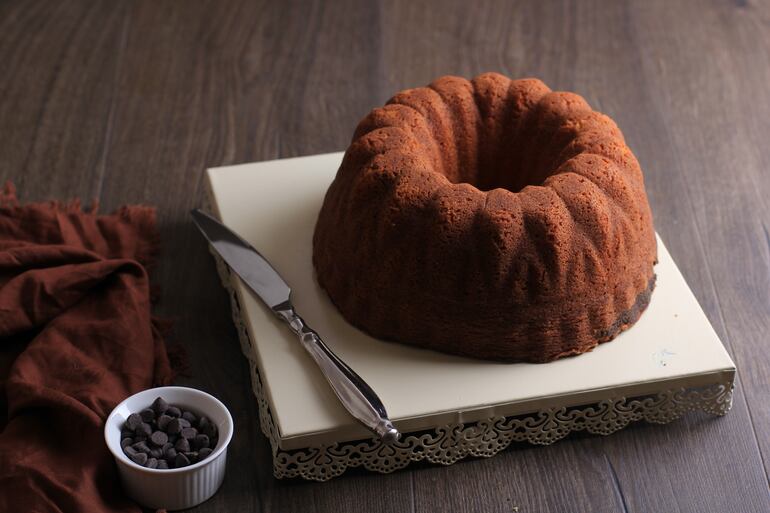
<point x="164" y="436"/>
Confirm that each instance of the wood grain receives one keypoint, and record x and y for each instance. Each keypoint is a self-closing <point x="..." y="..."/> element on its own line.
<point x="130" y="102"/>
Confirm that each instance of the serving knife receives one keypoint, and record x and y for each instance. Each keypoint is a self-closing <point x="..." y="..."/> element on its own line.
<point x="257" y="273"/>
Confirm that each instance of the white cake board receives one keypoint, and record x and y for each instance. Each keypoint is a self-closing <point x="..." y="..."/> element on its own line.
<point x="671" y="350"/>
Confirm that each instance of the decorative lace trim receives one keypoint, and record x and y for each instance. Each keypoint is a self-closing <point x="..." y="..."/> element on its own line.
<point x="452" y="442"/>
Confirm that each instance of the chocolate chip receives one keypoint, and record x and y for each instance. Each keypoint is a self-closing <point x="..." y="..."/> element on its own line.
<point x="181" y="461"/>
<point x="156" y="452"/>
<point x="189" y="433"/>
<point x="141" y="447"/>
<point x="162" y="465"/>
<point x="133" y="421"/>
<point x="182" y="445"/>
<point x="126" y="433"/>
<point x="130" y="451"/>
<point x="159" y="406"/>
<point x="173" y="411"/>
<point x="184" y="423"/>
<point x="204" y="453"/>
<point x="213" y="442"/>
<point x="189" y="417"/>
<point x="201" y="442"/>
<point x="125" y="442"/>
<point x="152" y="463"/>
<point x="144" y="429"/>
<point x="170" y="454"/>
<point x="147" y="415"/>
<point x="173" y="427"/>
<point x="192" y="456"/>
<point x="159" y="438"/>
<point x="208" y="428"/>
<point x="139" y="457"/>
<point x="163" y="421"/>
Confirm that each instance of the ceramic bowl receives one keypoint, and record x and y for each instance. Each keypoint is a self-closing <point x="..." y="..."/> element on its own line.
<point x="177" y="488"/>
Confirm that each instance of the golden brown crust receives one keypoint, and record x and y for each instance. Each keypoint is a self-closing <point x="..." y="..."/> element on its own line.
<point x="490" y="218"/>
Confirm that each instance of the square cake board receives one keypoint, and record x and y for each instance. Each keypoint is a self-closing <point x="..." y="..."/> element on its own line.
<point x="670" y="362"/>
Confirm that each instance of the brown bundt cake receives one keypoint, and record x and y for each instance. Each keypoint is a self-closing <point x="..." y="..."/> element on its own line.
<point x="490" y="218"/>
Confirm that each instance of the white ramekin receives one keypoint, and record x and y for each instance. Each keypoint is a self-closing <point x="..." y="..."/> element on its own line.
<point x="178" y="488"/>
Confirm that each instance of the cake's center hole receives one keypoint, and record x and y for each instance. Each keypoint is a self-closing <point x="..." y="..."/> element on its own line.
<point x="512" y="164"/>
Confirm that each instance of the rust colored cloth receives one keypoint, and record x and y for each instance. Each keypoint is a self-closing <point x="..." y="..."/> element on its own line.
<point x="76" y="338"/>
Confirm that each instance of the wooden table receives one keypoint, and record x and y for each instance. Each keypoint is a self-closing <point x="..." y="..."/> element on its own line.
<point x="129" y="103"/>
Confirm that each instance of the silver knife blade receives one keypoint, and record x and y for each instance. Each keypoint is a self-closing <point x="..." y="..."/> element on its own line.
<point x="244" y="260"/>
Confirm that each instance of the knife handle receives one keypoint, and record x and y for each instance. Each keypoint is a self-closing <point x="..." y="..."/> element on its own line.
<point x="354" y="393"/>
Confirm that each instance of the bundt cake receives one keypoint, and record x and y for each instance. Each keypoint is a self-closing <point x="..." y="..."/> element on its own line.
<point x="490" y="218"/>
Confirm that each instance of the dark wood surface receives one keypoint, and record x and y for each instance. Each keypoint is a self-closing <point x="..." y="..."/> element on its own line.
<point x="129" y="102"/>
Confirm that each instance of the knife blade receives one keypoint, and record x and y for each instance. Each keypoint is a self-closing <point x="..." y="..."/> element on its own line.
<point x="257" y="273"/>
<point x="244" y="260"/>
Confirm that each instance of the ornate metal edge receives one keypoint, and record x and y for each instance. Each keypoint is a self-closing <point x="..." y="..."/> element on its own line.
<point x="450" y="443"/>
